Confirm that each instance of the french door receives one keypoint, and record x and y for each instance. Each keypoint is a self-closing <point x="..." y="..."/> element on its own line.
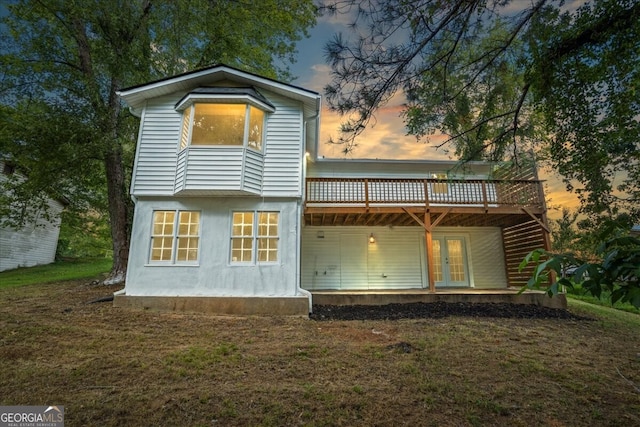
<point x="450" y="267"/>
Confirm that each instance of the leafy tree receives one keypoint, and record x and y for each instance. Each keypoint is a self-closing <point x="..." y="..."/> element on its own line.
<point x="616" y="272"/>
<point x="84" y="235"/>
<point x="563" y="232"/>
<point x="500" y="77"/>
<point x="64" y="60"/>
<point x="475" y="113"/>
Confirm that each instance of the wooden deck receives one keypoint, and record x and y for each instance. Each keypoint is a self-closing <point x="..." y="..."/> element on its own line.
<point x="397" y="202"/>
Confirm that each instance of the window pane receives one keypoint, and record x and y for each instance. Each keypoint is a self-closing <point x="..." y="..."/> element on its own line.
<point x="162" y="235"/>
<point x="439" y="187"/>
<point x="268" y="224"/>
<point x="218" y="124"/>
<point x="161" y="248"/>
<point x="184" y="135"/>
<point x="242" y="224"/>
<point x="163" y="223"/>
<point x="187" y="249"/>
<point x="267" y="250"/>
<point x="242" y="237"/>
<point x="188" y="231"/>
<point x="456" y="260"/>
<point x="241" y="250"/>
<point x="437" y="261"/>
<point x="256" y="123"/>
<point x="189" y="223"/>
<point x="267" y="237"/>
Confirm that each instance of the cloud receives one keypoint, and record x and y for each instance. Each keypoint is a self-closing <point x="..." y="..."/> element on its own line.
<point x="317" y="76"/>
<point x="384" y="138"/>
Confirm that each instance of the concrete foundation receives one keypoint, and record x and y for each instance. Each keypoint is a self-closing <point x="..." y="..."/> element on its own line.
<point x="262" y="306"/>
<point x="299" y="306"/>
<point x="452" y="296"/>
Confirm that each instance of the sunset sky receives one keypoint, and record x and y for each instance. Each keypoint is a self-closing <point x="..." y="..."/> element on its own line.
<point x="387" y="138"/>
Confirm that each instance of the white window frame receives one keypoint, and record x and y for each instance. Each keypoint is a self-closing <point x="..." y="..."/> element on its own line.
<point x="175" y="235"/>
<point x="440" y="187"/>
<point x="258" y="242"/>
<point x="186" y="127"/>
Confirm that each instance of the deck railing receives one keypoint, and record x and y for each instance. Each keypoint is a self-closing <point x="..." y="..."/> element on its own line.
<point x="372" y="192"/>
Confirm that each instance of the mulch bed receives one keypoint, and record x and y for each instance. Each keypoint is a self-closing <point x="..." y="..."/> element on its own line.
<point x="421" y="310"/>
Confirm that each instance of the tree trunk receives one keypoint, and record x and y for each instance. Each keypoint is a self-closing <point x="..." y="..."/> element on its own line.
<point x="119" y="210"/>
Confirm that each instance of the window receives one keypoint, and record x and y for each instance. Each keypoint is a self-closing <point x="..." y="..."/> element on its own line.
<point x="175" y="237"/>
<point x="222" y="124"/>
<point x="439" y="187"/>
<point x="254" y="237"/>
<point x="242" y="237"/>
<point x="267" y="237"/>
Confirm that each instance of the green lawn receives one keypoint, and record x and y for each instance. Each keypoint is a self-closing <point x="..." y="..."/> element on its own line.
<point x="111" y="366"/>
<point x="578" y="294"/>
<point x="607" y="316"/>
<point x="82" y="268"/>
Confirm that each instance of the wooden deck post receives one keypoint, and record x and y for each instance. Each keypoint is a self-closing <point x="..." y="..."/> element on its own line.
<point x="429" y="243"/>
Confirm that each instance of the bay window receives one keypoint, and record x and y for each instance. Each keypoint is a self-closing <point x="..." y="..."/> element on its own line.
<point x="214" y="124"/>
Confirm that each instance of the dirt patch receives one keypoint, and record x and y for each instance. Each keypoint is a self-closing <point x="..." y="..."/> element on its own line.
<point x="438" y="310"/>
<point x="117" y="367"/>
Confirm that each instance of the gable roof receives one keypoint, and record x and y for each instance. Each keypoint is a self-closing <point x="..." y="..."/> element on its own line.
<point x="136" y="96"/>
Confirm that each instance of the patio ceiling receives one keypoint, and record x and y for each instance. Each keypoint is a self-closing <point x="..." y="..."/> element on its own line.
<point x="404" y="219"/>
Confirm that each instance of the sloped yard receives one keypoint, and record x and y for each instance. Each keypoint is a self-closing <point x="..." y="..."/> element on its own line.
<point x="113" y="367"/>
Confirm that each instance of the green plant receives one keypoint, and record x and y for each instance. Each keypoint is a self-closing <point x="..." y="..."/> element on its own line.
<point x="615" y="276"/>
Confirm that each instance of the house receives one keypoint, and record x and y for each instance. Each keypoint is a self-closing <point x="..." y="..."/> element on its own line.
<point x="236" y="213"/>
<point x="34" y="243"/>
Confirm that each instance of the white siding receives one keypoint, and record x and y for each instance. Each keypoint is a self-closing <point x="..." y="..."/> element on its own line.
<point x="218" y="168"/>
<point x="34" y="244"/>
<point x="275" y="173"/>
<point x="321" y="258"/>
<point x="396" y="260"/>
<point x="343" y="258"/>
<point x="487" y="257"/>
<point x="283" y="149"/>
<point x="253" y="165"/>
<point x="155" y="167"/>
<point x="181" y="167"/>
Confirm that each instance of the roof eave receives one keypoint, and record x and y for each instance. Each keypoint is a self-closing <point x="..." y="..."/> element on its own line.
<point x="135" y="96"/>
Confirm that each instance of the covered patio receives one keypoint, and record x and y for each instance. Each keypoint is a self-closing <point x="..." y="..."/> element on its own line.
<point x="516" y="206"/>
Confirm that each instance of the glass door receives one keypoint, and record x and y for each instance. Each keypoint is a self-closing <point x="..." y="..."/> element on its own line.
<point x="450" y="262"/>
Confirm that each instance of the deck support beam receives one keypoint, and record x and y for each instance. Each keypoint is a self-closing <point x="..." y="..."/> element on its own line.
<point x="429" y="244"/>
<point x="428" y="238"/>
<point x="536" y="219"/>
<point x="427" y="225"/>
